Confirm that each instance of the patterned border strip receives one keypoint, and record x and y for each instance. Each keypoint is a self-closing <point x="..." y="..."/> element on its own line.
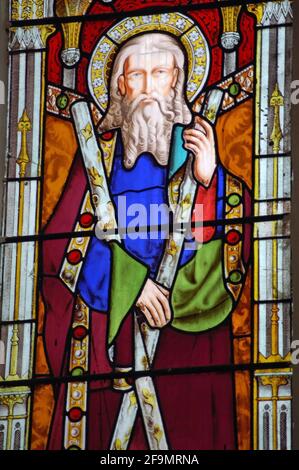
<point x="234" y="269"/>
<point x="238" y="88"/>
<point x="77" y="248"/>
<point x="76" y="404"/>
<point x="59" y="101"/>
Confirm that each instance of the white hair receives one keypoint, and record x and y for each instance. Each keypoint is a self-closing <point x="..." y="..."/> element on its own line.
<point x="146" y="134"/>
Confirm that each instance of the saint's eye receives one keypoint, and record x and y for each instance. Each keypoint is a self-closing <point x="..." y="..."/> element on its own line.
<point x="136" y="75"/>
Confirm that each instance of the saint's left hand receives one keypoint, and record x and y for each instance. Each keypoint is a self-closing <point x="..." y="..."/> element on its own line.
<point x="202" y="144"/>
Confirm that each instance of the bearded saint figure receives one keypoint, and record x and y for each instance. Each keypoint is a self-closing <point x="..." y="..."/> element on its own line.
<point x="152" y="121"/>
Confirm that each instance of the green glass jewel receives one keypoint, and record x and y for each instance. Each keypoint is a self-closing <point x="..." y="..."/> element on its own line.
<point x="235" y="277"/>
<point x="77" y="372"/>
<point x="62" y="101"/>
<point x="234" y="200"/>
<point x="234" y="89"/>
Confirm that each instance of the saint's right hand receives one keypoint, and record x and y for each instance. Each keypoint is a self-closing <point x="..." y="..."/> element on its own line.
<point x="154" y="304"/>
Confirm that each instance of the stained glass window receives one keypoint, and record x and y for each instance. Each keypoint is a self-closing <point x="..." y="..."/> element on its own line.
<point x="146" y="295"/>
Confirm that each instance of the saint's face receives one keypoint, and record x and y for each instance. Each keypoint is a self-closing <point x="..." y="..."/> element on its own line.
<point x="148" y="72"/>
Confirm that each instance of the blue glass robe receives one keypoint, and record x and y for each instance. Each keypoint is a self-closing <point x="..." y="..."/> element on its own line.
<point x="145" y="184"/>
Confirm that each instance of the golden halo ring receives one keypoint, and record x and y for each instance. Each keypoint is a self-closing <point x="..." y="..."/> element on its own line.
<point x="176" y="24"/>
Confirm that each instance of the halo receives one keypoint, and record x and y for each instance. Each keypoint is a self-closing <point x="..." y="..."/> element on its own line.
<point x="177" y="24"/>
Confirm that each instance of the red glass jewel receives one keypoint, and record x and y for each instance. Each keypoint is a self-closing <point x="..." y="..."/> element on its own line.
<point x="75" y="414"/>
<point x="233" y="237"/>
<point x="74" y="256"/>
<point x="107" y="136"/>
<point x="79" y="332"/>
<point x="86" y="219"/>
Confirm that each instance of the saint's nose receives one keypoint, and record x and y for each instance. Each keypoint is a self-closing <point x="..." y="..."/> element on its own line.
<point x="148" y="84"/>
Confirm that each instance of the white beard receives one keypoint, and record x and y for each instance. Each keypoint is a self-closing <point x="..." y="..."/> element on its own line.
<point x="147" y="128"/>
